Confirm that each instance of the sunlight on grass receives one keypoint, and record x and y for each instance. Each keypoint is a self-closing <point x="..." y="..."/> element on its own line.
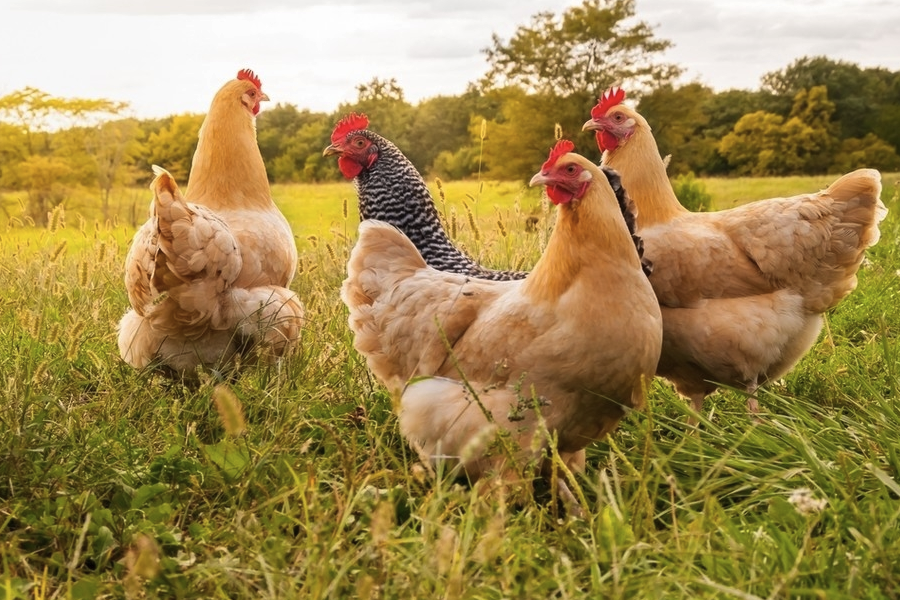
<point x="293" y="480"/>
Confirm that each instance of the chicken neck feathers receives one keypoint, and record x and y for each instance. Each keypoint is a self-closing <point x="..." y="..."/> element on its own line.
<point x="227" y="171"/>
<point x="393" y="191"/>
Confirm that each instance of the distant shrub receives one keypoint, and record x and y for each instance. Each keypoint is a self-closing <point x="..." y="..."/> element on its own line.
<point x="691" y="192"/>
<point x="868" y="152"/>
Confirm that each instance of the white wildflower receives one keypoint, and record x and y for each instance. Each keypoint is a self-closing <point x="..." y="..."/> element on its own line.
<point x="803" y="501"/>
<point x="761" y="535"/>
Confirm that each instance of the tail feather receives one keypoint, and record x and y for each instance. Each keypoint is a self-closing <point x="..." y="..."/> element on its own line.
<point x="382" y="257"/>
<point x="195" y="265"/>
<point x="857" y="205"/>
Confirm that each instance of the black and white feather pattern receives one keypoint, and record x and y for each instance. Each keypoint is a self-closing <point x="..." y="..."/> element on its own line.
<point x="393" y="191"/>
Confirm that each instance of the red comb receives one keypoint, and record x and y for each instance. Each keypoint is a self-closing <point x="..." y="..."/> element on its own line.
<point x="351" y="122"/>
<point x="610" y="98"/>
<point x="561" y="147"/>
<point x="248" y="75"/>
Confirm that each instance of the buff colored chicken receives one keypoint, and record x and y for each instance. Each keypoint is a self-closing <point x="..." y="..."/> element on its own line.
<point x="562" y="352"/>
<point x="208" y="279"/>
<point x="742" y="290"/>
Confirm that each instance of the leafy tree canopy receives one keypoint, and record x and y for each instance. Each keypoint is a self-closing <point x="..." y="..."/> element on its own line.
<point x="587" y="49"/>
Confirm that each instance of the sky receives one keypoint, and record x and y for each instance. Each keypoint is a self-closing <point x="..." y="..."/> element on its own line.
<point x="170" y="56"/>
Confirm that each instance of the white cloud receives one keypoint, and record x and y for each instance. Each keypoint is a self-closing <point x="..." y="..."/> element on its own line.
<point x="170" y="56"/>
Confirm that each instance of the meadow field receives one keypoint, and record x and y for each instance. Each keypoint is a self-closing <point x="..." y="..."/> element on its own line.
<point x="292" y="481"/>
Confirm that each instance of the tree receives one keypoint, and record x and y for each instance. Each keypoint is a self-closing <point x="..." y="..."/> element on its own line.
<point x="48" y="161"/>
<point x="172" y="147"/>
<point x="114" y="148"/>
<point x="858" y="94"/>
<point x="278" y="131"/>
<point x="517" y="142"/>
<point x="753" y="142"/>
<point x="390" y="115"/>
<point x="13" y="143"/>
<point x="37" y="113"/>
<point x="46" y="179"/>
<point x="679" y="120"/>
<point x="814" y="110"/>
<point x="867" y="152"/>
<point x="440" y="125"/>
<point x="764" y="143"/>
<point x="587" y="49"/>
<point x="302" y="158"/>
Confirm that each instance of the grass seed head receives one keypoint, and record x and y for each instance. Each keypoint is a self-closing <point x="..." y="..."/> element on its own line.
<point x="473" y="224"/>
<point x="230" y="410"/>
<point x="59" y="250"/>
<point x="83" y="273"/>
<point x="445" y="550"/>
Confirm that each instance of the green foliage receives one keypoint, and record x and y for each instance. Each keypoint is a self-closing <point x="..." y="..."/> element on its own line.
<point x="588" y="48"/>
<point x="815" y="116"/>
<point x="389" y="113"/>
<point x="679" y="122"/>
<point x="291" y="143"/>
<point x="764" y="143"/>
<point x="46" y="179"/>
<point x="172" y="146"/>
<point x="441" y="125"/>
<point x="869" y="152"/>
<point x="859" y="95"/>
<point x="691" y="192"/>
<point x="518" y="141"/>
<point x="463" y="163"/>
<point x="44" y="162"/>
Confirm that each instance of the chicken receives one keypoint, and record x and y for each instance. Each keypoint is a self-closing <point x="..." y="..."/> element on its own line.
<point x="462" y="356"/>
<point x="229" y="177"/>
<point x="390" y="189"/>
<point x="742" y="290"/>
<point x="208" y="279"/>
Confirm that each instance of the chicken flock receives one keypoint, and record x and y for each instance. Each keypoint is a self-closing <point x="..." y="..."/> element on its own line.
<point x="631" y="285"/>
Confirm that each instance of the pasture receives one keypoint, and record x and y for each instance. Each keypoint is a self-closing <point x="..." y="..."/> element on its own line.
<point x="293" y="481"/>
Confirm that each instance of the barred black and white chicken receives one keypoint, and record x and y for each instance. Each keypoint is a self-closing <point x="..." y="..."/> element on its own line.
<point x="390" y="189"/>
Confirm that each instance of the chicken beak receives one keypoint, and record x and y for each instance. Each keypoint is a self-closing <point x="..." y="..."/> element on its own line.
<point x="538" y="179"/>
<point x="590" y="125"/>
<point x="331" y="150"/>
<point x="263" y="97"/>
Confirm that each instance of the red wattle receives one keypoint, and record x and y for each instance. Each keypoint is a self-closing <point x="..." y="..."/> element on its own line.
<point x="559" y="195"/>
<point x="607" y="141"/>
<point x="349" y="168"/>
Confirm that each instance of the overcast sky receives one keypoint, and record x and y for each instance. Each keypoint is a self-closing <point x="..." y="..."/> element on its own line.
<point x="170" y="56"/>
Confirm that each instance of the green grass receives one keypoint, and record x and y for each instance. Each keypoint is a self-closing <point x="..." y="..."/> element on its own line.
<point x="117" y="484"/>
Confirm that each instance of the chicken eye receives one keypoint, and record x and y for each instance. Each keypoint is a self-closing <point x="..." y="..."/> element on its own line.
<point x="571" y="169"/>
<point x="359" y="142"/>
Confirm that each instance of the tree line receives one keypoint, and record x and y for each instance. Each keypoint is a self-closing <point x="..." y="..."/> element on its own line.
<point x="816" y="115"/>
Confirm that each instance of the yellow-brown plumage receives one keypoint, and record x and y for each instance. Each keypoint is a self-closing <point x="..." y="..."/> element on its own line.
<point x="209" y="278"/>
<point x="743" y="290"/>
<point x="582" y="330"/>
